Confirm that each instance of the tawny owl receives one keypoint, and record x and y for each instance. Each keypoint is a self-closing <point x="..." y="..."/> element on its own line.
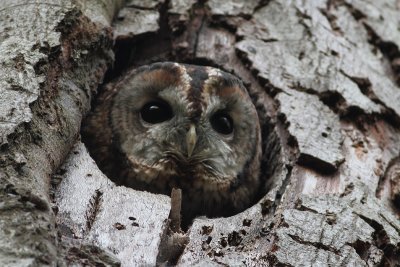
<point x="170" y="125"/>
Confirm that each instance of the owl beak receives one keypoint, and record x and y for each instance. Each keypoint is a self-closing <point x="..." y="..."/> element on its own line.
<point x="191" y="139"/>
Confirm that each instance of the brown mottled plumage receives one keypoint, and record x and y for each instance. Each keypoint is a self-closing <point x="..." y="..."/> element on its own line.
<point x="171" y="125"/>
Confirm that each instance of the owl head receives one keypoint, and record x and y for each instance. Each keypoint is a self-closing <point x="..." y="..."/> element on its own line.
<point x="170" y="125"/>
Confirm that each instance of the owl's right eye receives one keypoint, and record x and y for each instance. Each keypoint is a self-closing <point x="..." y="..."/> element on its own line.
<point x="156" y="112"/>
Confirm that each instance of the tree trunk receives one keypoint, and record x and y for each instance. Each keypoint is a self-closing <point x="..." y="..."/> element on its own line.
<point x="325" y="77"/>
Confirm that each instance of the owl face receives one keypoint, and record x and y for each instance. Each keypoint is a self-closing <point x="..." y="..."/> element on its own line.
<point x="190" y="127"/>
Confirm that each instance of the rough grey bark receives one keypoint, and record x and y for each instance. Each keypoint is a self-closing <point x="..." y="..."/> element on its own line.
<point x="324" y="74"/>
<point x="52" y="59"/>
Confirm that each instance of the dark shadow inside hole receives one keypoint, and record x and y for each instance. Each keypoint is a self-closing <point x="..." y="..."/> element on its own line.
<point x="146" y="49"/>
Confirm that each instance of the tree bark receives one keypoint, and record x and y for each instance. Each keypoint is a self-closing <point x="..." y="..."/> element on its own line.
<point x="325" y="79"/>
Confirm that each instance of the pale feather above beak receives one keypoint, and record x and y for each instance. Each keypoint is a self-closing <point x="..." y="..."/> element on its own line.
<point x="191" y="139"/>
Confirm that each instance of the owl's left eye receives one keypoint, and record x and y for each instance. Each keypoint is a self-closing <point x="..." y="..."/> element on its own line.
<point x="222" y="123"/>
<point x="156" y="112"/>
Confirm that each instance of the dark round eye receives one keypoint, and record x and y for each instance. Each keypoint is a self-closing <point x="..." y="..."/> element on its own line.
<point x="156" y="112"/>
<point x="222" y="123"/>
